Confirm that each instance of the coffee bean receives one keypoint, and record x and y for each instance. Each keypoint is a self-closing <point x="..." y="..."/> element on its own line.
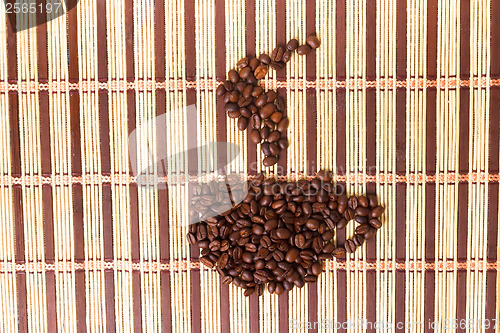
<point x="303" y="49"/>
<point x="283" y="143"/>
<point x="274" y="136"/>
<point x="358" y="240"/>
<point x="292" y="254"/>
<point x="261" y="100"/>
<point x="376" y="212"/>
<point x="316" y="268"/>
<point x="292" y="45"/>
<point x="243" y="62"/>
<point x="287" y="56"/>
<point x="207" y="262"/>
<point x="277" y="54"/>
<point x="227" y="279"/>
<point x="269" y="161"/>
<point x="253" y="63"/>
<point x="221" y="90"/>
<point x="276" y="117"/>
<point x="254" y="136"/>
<point x="375" y="223"/>
<point x="191" y="238"/>
<point x="265" y="147"/>
<point x="277" y="66"/>
<point x="313" y="41"/>
<point x="223" y="260"/>
<point x="342" y="223"/>
<point x="242" y="123"/>
<point x="283" y="125"/>
<point x="370" y="233"/>
<point x="350" y="247"/>
<point x="360" y="219"/>
<point x="257" y="91"/>
<point x="244" y="101"/>
<point x="312" y="224"/>
<point x="352" y="202"/>
<point x="233" y="76"/>
<point x="260" y="72"/>
<point x="245" y="112"/>
<point x="264" y="132"/>
<point x="339" y="252"/>
<point x="274" y="149"/>
<point x="362" y="229"/>
<point x="280" y="103"/>
<point x="245" y="73"/>
<point x="256" y="122"/>
<point x="239" y="86"/>
<point x="231" y="107"/>
<point x="363" y="201"/>
<point x="228" y="85"/>
<point x="265" y="59"/>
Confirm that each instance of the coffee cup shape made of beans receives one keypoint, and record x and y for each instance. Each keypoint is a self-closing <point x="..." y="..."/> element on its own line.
<point x="277" y="234"/>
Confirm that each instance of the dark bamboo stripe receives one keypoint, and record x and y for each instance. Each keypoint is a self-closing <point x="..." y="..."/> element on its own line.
<point x="250" y="48"/>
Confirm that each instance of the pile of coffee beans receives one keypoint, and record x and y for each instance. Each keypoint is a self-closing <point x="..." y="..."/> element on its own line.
<point x="262" y="111"/>
<point x="280" y="232"/>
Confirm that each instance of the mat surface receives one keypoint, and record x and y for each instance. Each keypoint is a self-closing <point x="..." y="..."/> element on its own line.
<point x="402" y="99"/>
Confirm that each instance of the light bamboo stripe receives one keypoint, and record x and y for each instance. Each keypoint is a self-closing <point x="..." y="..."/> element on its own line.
<point x="386" y="154"/>
<point x="381" y="178"/>
<point x="416" y="99"/>
<point x="447" y="143"/>
<point x="206" y="134"/>
<point x="30" y="146"/>
<point x="479" y="125"/>
<point x="356" y="145"/>
<point x="176" y="143"/>
<point x="119" y="163"/>
<point x="62" y="199"/>
<point x="298" y="304"/>
<point x="265" y="42"/>
<point x="329" y="84"/>
<point x="326" y="148"/>
<point x="186" y="265"/>
<point x="239" y="306"/>
<point x="8" y="282"/>
<point x="147" y="197"/>
<point x="91" y="164"/>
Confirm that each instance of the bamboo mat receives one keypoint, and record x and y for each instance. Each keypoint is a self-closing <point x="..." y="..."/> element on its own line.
<point x="402" y="99"/>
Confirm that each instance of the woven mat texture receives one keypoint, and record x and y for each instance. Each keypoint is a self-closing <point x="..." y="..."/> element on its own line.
<point x="402" y="99"/>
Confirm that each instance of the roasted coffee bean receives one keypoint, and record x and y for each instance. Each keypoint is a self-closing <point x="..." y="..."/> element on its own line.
<point x="247" y="92"/>
<point x="191" y="238"/>
<point x="280" y="103"/>
<point x="292" y="254"/>
<point x="264" y="132"/>
<point x="261" y="101"/>
<point x="283" y="233"/>
<point x="244" y="101"/>
<point x="256" y="122"/>
<point x="257" y="91"/>
<point x="207" y="261"/>
<point x="277" y="65"/>
<point x="283" y="125"/>
<point x="245" y="73"/>
<point x="350" y="247"/>
<point x="358" y="240"/>
<point x="228" y="85"/>
<point x="362" y="229"/>
<point x="339" y="252"/>
<point x="312" y="224"/>
<point x="370" y="233"/>
<point x="342" y="223"/>
<point x="324" y="175"/>
<point x="233" y="76"/>
<point x="283" y="143"/>
<point x="352" y="202"/>
<point x="277" y="54"/>
<point x="245" y="112"/>
<point x="231" y="107"/>
<point x="253" y="63"/>
<point x="223" y="260"/>
<point x="243" y="62"/>
<point x="316" y="268"/>
<point x="221" y="90"/>
<point x="274" y="149"/>
<point x="265" y="59"/>
<point x="313" y="41"/>
<point x="376" y="212"/>
<point x="349" y="214"/>
<point x="363" y="201"/>
<point x="260" y="72"/>
<point x="292" y="44"/>
<point x="287" y="56"/>
<point x="255" y="136"/>
<point x="303" y="49"/>
<point x="240" y="86"/>
<point x="362" y="211"/>
<point x="375" y="223"/>
<point x="265" y="147"/>
<point x="269" y="161"/>
<point x="242" y="123"/>
<point x="360" y="219"/>
<point x="276" y="117"/>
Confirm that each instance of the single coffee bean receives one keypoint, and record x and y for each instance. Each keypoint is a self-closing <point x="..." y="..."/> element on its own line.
<point x="292" y="254"/>
<point x="245" y="73"/>
<point x="283" y="125"/>
<point x="255" y="136"/>
<point x="234" y="96"/>
<point x="242" y="123"/>
<point x="283" y="143"/>
<point x="271" y="96"/>
<point x="264" y="133"/>
<point x="313" y="41"/>
<point x="251" y="79"/>
<point x="239" y="86"/>
<point x="274" y="136"/>
<point x="350" y="247"/>
<point x="265" y="59"/>
<point x="277" y="54"/>
<point x="260" y="72"/>
<point x="362" y="211"/>
<point x="342" y="200"/>
<point x="261" y="100"/>
<point x="233" y="76"/>
<point x="269" y="123"/>
<point x="244" y="101"/>
<point x="221" y="90"/>
<point x="342" y="223"/>
<point x="269" y="161"/>
<point x="376" y="212"/>
<point x="228" y="85"/>
<point x="375" y="223"/>
<point x="227" y="279"/>
<point x="243" y="62"/>
<point x="349" y="214"/>
<point x="276" y="117"/>
<point x="223" y="260"/>
<point x="312" y="224"/>
<point x="283" y="233"/>
<point x="274" y="149"/>
<point x="207" y="262"/>
<point x="339" y="252"/>
<point x="191" y="238"/>
<point x="360" y="219"/>
<point x="372" y="201"/>
<point x="257" y="91"/>
<point x="363" y="201"/>
<point x="316" y="268"/>
<point x="245" y="112"/>
<point x="328" y="248"/>
<point x="370" y="233"/>
<point x="256" y="122"/>
<point x="358" y="240"/>
<point x="303" y="49"/>
<point x="352" y="202"/>
<point x="362" y="229"/>
<point x="287" y="56"/>
<point x="265" y="147"/>
<point x="231" y="107"/>
<point x="292" y="45"/>
<point x="253" y="63"/>
<point x="280" y="103"/>
<point x="247" y="92"/>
